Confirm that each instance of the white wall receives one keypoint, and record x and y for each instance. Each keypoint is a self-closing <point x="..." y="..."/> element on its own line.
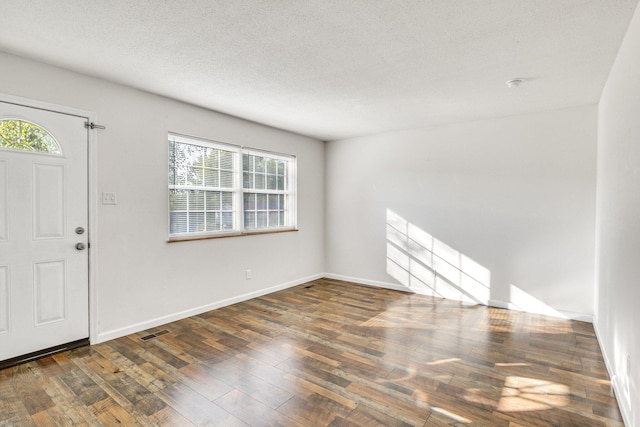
<point x="618" y="223"/>
<point x="142" y="279"/>
<point x="516" y="195"/>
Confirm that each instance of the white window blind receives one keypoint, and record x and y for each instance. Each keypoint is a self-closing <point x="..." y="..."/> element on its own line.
<point x="217" y="188"/>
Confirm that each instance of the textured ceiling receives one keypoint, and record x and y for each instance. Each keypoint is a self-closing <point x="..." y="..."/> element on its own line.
<point x="334" y="69"/>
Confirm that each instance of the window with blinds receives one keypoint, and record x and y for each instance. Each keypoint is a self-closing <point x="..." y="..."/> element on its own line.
<point x="265" y="192"/>
<point x="217" y="188"/>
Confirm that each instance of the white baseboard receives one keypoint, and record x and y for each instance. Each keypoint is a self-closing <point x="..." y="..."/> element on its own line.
<point x="498" y="304"/>
<point x="559" y="313"/>
<point x="375" y="283"/>
<point x="492" y="303"/>
<point x="142" y="326"/>
<point x="625" y="410"/>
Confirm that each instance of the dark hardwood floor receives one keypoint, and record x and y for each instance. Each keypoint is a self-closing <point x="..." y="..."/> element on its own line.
<point x="326" y="353"/>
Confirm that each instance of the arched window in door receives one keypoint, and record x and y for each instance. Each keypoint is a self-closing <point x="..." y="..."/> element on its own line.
<point x="21" y="135"/>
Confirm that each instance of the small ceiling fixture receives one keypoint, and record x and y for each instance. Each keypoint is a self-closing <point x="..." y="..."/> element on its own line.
<point x="513" y="83"/>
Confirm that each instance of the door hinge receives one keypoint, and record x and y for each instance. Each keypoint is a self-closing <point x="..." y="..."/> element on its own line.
<point x="91" y="125"/>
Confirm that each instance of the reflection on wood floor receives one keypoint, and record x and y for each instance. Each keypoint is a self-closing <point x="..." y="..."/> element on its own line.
<point x="326" y="353"/>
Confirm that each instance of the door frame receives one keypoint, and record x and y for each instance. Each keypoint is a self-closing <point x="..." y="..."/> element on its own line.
<point x="92" y="196"/>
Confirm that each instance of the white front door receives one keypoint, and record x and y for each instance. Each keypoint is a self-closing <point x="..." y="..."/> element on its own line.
<point x="43" y="230"/>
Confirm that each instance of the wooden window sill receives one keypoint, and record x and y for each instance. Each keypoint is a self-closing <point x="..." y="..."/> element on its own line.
<point x="224" y="236"/>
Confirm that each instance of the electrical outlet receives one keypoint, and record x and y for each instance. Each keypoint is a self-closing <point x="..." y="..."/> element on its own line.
<point x="247" y="274"/>
<point x="109" y="198"/>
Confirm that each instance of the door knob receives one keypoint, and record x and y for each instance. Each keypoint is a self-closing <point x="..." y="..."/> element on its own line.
<point x="80" y="246"/>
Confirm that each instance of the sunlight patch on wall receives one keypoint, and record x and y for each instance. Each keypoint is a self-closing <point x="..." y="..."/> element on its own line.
<point x="522" y="301"/>
<point x="621" y="375"/>
<point x="428" y="266"/>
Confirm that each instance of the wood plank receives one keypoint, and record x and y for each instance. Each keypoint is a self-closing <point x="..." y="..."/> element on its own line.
<point x="366" y="416"/>
<point x="314" y="409"/>
<point x="196" y="408"/>
<point x="252" y="411"/>
<point x="12" y="409"/>
<point x="30" y="389"/>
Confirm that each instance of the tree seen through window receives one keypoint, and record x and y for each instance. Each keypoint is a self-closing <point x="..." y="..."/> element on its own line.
<point x="26" y="136"/>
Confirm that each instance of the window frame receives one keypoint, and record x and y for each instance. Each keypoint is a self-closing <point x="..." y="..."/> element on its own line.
<point x="290" y="191"/>
<point x="238" y="190"/>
